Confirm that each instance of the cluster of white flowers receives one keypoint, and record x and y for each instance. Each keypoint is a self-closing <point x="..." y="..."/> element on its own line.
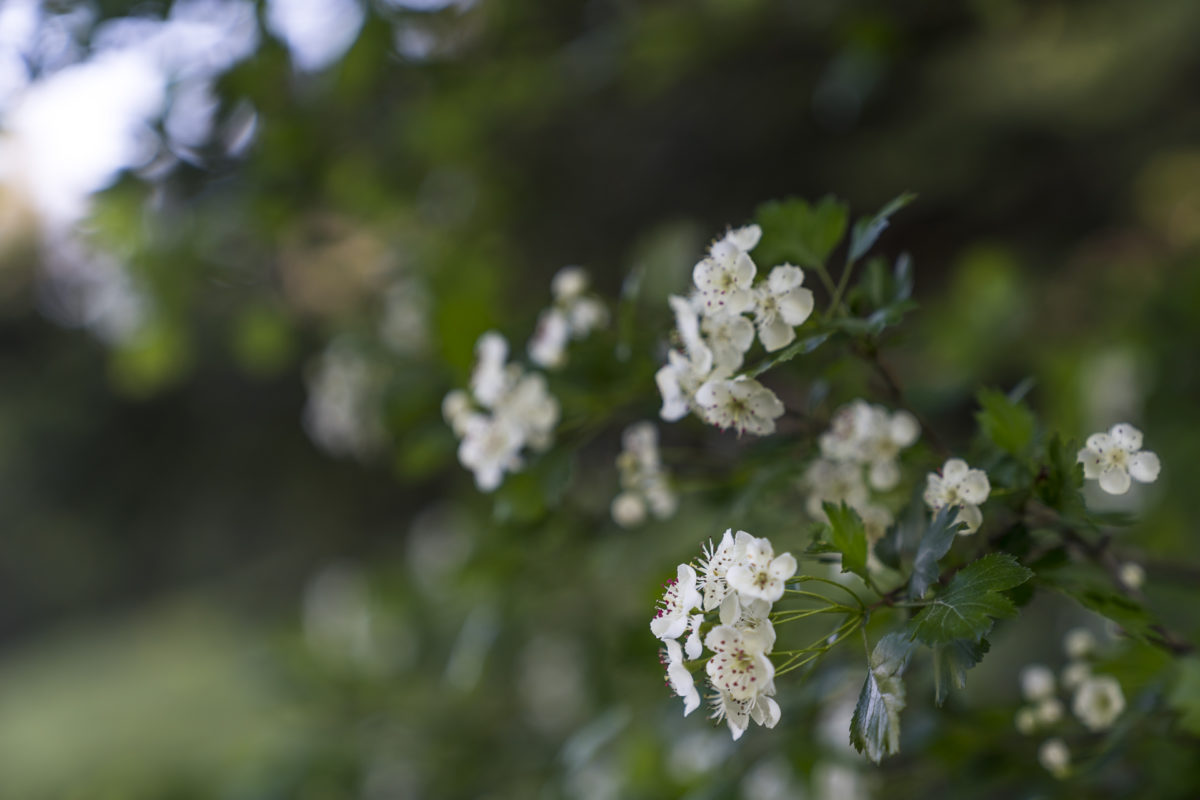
<point x="859" y="453"/>
<point x="741" y="579"/>
<point x="512" y="409"/>
<point x="1097" y="702"/>
<point x="715" y="335"/>
<point x="573" y="315"/>
<point x="959" y="486"/>
<point x="342" y="414"/>
<point x="1115" y="457"/>
<point x="645" y="484"/>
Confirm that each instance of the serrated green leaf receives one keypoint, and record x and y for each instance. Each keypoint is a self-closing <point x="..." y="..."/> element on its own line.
<point x="796" y="348"/>
<point x="951" y="662"/>
<point x="1185" y="695"/>
<point x="867" y="230"/>
<point x="968" y="606"/>
<point x="848" y="535"/>
<point x="1061" y="477"/>
<point x="875" y="726"/>
<point x="1008" y="424"/>
<point x="794" y="230"/>
<point x="935" y="543"/>
<point x="1091" y="587"/>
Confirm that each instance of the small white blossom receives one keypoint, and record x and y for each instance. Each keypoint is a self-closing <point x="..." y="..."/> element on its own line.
<point x="1113" y="458"/>
<point x="569" y="283"/>
<point x="1037" y="682"/>
<point x="724" y="279"/>
<point x="680" y="677"/>
<point x="743" y="404"/>
<point x="628" y="510"/>
<point x="752" y="618"/>
<point x="456" y="410"/>
<point x="736" y="667"/>
<point x="490" y="378"/>
<point x="343" y="411"/>
<point x="1132" y="574"/>
<point x="780" y="305"/>
<point x="1079" y="643"/>
<point x="548" y="347"/>
<point x="1074" y="674"/>
<point x="716" y="564"/>
<point x="1049" y="711"/>
<point x="645" y="484"/>
<point x="680" y="598"/>
<point x="1026" y="720"/>
<point x="961" y="486"/>
<point x="1098" y="702"/>
<point x="729" y="336"/>
<point x="531" y="409"/>
<point x="1055" y="757"/>
<point x="737" y="714"/>
<point x="490" y="447"/>
<point x="685" y="371"/>
<point x="834" y="482"/>
<point x="572" y="316"/>
<point x="761" y="574"/>
<point x="868" y="434"/>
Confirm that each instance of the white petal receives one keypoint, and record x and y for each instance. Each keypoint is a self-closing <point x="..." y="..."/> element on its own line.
<point x="903" y="429"/>
<point x="745" y="238"/>
<point x="1144" y="466"/>
<point x="975" y="487"/>
<point x="796" y="306"/>
<point x="731" y="608"/>
<point x="1115" y="480"/>
<point x="1126" y="437"/>
<point x="693" y="647"/>
<point x="1091" y="461"/>
<point x="954" y="471"/>
<point x="704" y="273"/>
<point x="675" y="404"/>
<point x="935" y="491"/>
<point x="1100" y="442"/>
<point x="784" y="278"/>
<point x="884" y="475"/>
<point x="744" y="271"/>
<point x="776" y="334"/>
<point x="739" y="301"/>
<point x="971" y="515"/>
<point x="783" y="566"/>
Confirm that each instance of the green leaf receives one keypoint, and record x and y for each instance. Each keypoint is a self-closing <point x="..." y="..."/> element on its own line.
<point x="1090" y="586"/>
<point x="795" y="231"/>
<point x="796" y="348"/>
<point x="1061" y="477"/>
<point x="867" y="230"/>
<point x="940" y="534"/>
<point x="875" y="726"/>
<point x="849" y="537"/>
<point x="1008" y="424"/>
<point x="966" y="608"/>
<point x="1185" y="695"/>
<point x="951" y="662"/>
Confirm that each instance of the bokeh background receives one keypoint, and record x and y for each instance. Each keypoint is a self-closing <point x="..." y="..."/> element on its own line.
<point x="246" y="248"/>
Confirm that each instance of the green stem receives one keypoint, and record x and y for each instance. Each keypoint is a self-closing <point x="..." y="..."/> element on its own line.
<point x="823" y="274"/>
<point x="857" y="600"/>
<point x="835" y="303"/>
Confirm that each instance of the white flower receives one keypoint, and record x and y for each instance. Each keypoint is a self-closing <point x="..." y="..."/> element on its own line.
<point x="781" y="304"/>
<point x="680" y="677"/>
<point x="1113" y="457"/>
<point x="737" y="714"/>
<point x="724" y="279"/>
<point x="729" y="336"/>
<point x="1037" y="682"/>
<point x="717" y="562"/>
<point x="548" y="347"/>
<point x="685" y="371"/>
<point x="834" y="482"/>
<point x="1079" y="643"/>
<point x="628" y="510"/>
<point x="490" y="378"/>
<point x="868" y="434"/>
<point x="569" y="283"/>
<point x="1026" y="720"/>
<point x="735" y="667"/>
<point x="752" y="618"/>
<point x="531" y="409"/>
<point x="736" y="240"/>
<point x="1132" y="574"/>
<point x="1049" y="711"/>
<point x="1098" y="702"/>
<point x="761" y="574"/>
<point x="1075" y="673"/>
<point x="743" y="404"/>
<point x="489" y="448"/>
<point x="961" y="486"/>
<point x="680" y="598"/>
<point x="1055" y="757"/>
<point x="456" y="410"/>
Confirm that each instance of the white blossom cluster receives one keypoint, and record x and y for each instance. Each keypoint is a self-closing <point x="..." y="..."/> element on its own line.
<point x="860" y="454"/>
<point x="645" y="484"/>
<point x="573" y="315"/>
<point x="715" y="334"/>
<point x="1113" y="458"/>
<point x="507" y="410"/>
<point x="1097" y="700"/>
<point x="741" y="579"/>
<point x="959" y="486"/>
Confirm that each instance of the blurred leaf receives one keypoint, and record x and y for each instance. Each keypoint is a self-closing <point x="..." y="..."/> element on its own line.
<point x="1061" y="477"/>
<point x="867" y="230"/>
<point x="848" y="537"/>
<point x="1185" y="695"/>
<point x="951" y="662"/>
<point x="1091" y="587"/>
<point x="798" y="232"/>
<point x="798" y="347"/>
<point x="875" y="726"/>
<point x="935" y="543"/>
<point x="1008" y="424"/>
<point x="966" y="609"/>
